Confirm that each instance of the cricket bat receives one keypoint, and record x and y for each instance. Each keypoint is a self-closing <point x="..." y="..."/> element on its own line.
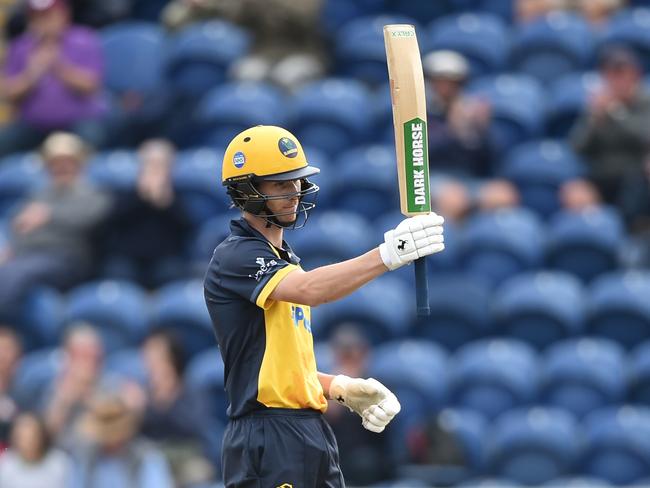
<point x="410" y="123"/>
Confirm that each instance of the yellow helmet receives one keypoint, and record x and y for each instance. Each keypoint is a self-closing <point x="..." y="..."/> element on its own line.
<point x="267" y="153"/>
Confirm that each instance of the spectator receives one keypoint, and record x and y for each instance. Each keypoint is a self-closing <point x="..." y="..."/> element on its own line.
<point x="51" y="241"/>
<point x="77" y="381"/>
<point x="174" y="417"/>
<point x="151" y="213"/>
<point x="53" y="75"/>
<point x="365" y="459"/>
<point x="31" y="461"/>
<point x="10" y="355"/>
<point x="497" y="193"/>
<point x="529" y="10"/>
<point x="458" y="124"/>
<point x="109" y="454"/>
<point x="576" y="195"/>
<point x="613" y="134"/>
<point x="598" y="12"/>
<point x="451" y="199"/>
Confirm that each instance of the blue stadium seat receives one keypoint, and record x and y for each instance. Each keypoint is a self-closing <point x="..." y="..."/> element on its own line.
<point x="551" y="46"/>
<point x="383" y="309"/>
<point x="416" y="371"/>
<point x="582" y="375"/>
<point x="119" y="311"/>
<point x="114" y="170"/>
<point x="489" y="483"/>
<point x="180" y="306"/>
<point x="460" y="311"/>
<point x="585" y="243"/>
<point x="206" y="373"/>
<point x="228" y="109"/>
<point x="501" y="8"/>
<point x="200" y="54"/>
<point x="359" y="47"/>
<point x="134" y="54"/>
<point x="539" y="308"/>
<point x="630" y="27"/>
<point x="365" y="181"/>
<point x="499" y="244"/>
<point x="209" y="235"/>
<point x="325" y="360"/>
<point x="34" y="376"/>
<point x="470" y="430"/>
<point x="619" y="308"/>
<point x="127" y="364"/>
<point x="494" y="375"/>
<point x="533" y="446"/>
<point x="618" y="444"/>
<point x="538" y="169"/>
<point x="481" y="38"/>
<point x="20" y="175"/>
<point x="383" y="114"/>
<point x="578" y="482"/>
<point x="331" y="237"/>
<point x="335" y="13"/>
<point x="512" y="121"/>
<point x="197" y="181"/>
<point x="567" y="100"/>
<point x="401" y="483"/>
<point x="421" y="11"/>
<point x="639" y="374"/>
<point x="333" y="114"/>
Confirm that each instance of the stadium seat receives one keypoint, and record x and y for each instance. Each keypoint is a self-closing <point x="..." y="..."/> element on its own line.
<point x="180" y="306"/>
<point x="551" y="46"/>
<point x="632" y="28"/>
<point x="20" y="175"/>
<point x="539" y="308"/>
<point x="34" y="376"/>
<point x="209" y="235"/>
<point x="582" y="375"/>
<point x="359" y="47"/>
<point x="538" y="169"/>
<point x="119" y="311"/>
<point x="401" y="483"/>
<point x="228" y="109"/>
<point x="206" y="373"/>
<point x="333" y="114"/>
<point x="584" y="243"/>
<point x="578" y="482"/>
<point x="331" y="237"/>
<point x="200" y="54"/>
<point x="366" y="181"/>
<point x="335" y="13"/>
<point x="501" y="8"/>
<point x="535" y="445"/>
<point x="422" y="11"/>
<point x="639" y="374"/>
<point x="127" y="364"/>
<point x="567" y="100"/>
<point x="460" y="311"/>
<point x="494" y="375"/>
<point x="499" y="244"/>
<point x="134" y="53"/>
<point x="197" y="181"/>
<point x="114" y="170"/>
<point x="383" y="309"/>
<point x="512" y="122"/>
<point x="618" y="444"/>
<point x="470" y="430"/>
<point x="489" y="483"/>
<point x="619" y="308"/>
<point x="481" y="38"/>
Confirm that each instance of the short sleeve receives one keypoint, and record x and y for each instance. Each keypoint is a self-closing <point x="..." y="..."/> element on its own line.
<point x="251" y="269"/>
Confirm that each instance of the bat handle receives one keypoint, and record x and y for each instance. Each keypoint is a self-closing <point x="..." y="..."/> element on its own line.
<point x="422" y="287"/>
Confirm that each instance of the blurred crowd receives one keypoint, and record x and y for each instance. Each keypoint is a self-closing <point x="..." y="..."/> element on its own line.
<point x="84" y="427"/>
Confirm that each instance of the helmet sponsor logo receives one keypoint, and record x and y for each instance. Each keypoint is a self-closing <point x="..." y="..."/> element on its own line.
<point x="287" y="147"/>
<point x="239" y="159"/>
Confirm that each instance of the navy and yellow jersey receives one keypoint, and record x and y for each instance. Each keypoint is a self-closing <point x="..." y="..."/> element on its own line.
<point x="266" y="345"/>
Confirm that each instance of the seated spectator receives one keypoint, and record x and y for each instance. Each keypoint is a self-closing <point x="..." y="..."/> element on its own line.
<point x="431" y="443"/>
<point x="458" y="124"/>
<point x="173" y="416"/>
<point x="151" y="213"/>
<point x="598" y="12"/>
<point x="109" y="453"/>
<point x="612" y="135"/>
<point x="53" y="75"/>
<point x="495" y="194"/>
<point x="51" y="234"/>
<point x="10" y="354"/>
<point x="77" y="381"/>
<point x="529" y="10"/>
<point x="365" y="458"/>
<point x="577" y="195"/>
<point x="31" y="461"/>
<point x="452" y="200"/>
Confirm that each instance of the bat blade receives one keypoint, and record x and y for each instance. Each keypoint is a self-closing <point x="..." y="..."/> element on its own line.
<point x="410" y="123"/>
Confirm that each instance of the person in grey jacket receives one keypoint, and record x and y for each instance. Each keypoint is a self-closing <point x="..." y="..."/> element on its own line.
<point x="51" y="234"/>
<point x="613" y="134"/>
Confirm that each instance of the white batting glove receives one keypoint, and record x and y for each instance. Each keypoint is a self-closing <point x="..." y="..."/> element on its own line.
<point x="375" y="403"/>
<point x="413" y="238"/>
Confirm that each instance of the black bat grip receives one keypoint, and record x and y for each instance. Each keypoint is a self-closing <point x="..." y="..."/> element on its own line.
<point x="422" y="288"/>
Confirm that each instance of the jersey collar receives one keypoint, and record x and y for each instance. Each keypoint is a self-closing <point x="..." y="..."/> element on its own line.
<point x="240" y="227"/>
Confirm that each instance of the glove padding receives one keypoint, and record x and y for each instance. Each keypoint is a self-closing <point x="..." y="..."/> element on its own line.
<point x="375" y="403"/>
<point x="413" y="238"/>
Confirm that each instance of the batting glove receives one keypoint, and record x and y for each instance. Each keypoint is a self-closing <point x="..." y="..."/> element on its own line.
<point x="375" y="403"/>
<point x="413" y="238"/>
